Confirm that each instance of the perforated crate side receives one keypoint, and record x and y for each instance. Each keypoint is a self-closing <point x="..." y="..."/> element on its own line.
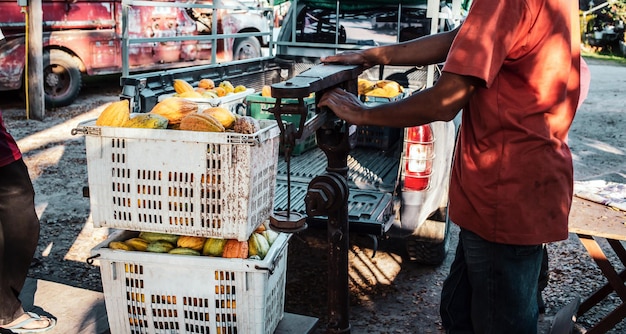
<point x="165" y="293"/>
<point x="181" y="182"/>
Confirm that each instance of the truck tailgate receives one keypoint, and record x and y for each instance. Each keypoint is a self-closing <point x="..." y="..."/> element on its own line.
<point x="371" y="178"/>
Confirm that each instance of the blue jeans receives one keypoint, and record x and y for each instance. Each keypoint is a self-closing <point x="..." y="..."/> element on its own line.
<point x="491" y="288"/>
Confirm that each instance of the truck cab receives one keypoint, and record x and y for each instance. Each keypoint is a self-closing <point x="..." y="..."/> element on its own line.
<point x="84" y="38"/>
<point x="398" y="178"/>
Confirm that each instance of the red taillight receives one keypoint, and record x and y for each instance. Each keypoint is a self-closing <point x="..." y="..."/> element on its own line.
<point x="418" y="157"/>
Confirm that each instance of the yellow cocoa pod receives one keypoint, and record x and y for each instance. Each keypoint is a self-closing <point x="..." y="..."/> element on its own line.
<point x="115" y="114"/>
<point x="195" y="243"/>
<point x="192" y="94"/>
<point x="214" y="247"/>
<point x="181" y="86"/>
<point x="391" y="87"/>
<point x="240" y="88"/>
<point x="235" y="249"/>
<point x="266" y="91"/>
<point x="174" y="109"/>
<point x="365" y="86"/>
<point x="247" y="125"/>
<point x="147" y="121"/>
<point x="223" y="115"/>
<point x="220" y="91"/>
<point x="206" y="84"/>
<point x="201" y="122"/>
<point x="120" y="245"/>
<point x="184" y="251"/>
<point x="137" y="243"/>
<point x="258" y="245"/>
<point x="377" y="92"/>
<point x="209" y="94"/>
<point x="156" y="236"/>
<point x="159" y="246"/>
<point x="228" y="87"/>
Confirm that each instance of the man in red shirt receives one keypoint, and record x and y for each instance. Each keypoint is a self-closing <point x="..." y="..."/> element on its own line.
<point x="513" y="67"/>
<point x="19" y="234"/>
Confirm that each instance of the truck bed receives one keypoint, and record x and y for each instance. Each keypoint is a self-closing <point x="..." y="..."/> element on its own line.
<point x="371" y="178"/>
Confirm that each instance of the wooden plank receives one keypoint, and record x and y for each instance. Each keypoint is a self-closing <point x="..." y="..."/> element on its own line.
<point x="587" y="217"/>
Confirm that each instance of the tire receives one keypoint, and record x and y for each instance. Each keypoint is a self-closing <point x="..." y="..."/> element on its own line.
<point x="246" y="48"/>
<point x="429" y="251"/>
<point x="62" y="79"/>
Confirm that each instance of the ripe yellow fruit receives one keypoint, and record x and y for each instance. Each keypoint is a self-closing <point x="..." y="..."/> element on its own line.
<point x="220" y="91"/>
<point x="191" y="242"/>
<point x="190" y="94"/>
<point x="228" y="87"/>
<point x="266" y="91"/>
<point x="364" y="86"/>
<point x="201" y="122"/>
<point x="116" y="114"/>
<point x="223" y="115"/>
<point x="206" y="84"/>
<point x="181" y="86"/>
<point x="137" y="243"/>
<point x="120" y="245"/>
<point x="240" y="88"/>
<point x="174" y="109"/>
<point x="147" y="121"/>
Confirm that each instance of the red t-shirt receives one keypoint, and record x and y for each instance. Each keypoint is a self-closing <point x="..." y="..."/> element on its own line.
<point x="9" y="152"/>
<point x="512" y="176"/>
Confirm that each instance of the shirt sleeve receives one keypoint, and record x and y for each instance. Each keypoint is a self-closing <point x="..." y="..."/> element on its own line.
<point x="490" y="34"/>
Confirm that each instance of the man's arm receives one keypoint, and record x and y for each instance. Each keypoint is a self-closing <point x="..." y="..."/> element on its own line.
<point x="442" y="102"/>
<point x="422" y="51"/>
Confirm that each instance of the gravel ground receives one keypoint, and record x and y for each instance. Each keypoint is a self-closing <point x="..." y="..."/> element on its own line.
<point x="388" y="293"/>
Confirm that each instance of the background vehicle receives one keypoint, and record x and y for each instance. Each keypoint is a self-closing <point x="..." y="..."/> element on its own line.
<point x="83" y="37"/>
<point x="399" y="184"/>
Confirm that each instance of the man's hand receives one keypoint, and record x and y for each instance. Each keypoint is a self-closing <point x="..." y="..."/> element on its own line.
<point x="345" y="105"/>
<point x="351" y="58"/>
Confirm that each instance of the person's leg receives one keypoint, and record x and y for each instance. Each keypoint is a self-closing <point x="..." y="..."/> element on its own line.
<point x="19" y="234"/>
<point x="456" y="296"/>
<point x="504" y="282"/>
<point x="544" y="276"/>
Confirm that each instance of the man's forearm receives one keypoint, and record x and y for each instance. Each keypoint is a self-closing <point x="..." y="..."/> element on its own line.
<point x="425" y="50"/>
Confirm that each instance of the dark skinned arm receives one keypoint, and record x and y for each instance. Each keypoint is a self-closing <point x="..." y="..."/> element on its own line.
<point x="442" y="102"/>
<point x="422" y="51"/>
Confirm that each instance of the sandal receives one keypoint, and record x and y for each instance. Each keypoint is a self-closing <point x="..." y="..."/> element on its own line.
<point x="19" y="327"/>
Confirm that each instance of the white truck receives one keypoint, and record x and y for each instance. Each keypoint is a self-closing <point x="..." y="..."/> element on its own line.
<point x="398" y="178"/>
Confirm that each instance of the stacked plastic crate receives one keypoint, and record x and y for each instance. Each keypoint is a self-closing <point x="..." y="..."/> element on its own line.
<point x="213" y="185"/>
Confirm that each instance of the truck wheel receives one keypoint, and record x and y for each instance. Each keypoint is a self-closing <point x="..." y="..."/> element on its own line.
<point x="62" y="78"/>
<point x="429" y="251"/>
<point x="246" y="48"/>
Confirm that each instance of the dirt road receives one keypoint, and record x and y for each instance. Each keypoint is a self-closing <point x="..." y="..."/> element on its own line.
<point x="388" y="293"/>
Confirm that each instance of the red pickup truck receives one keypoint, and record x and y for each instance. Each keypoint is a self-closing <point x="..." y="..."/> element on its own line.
<point x="83" y="37"/>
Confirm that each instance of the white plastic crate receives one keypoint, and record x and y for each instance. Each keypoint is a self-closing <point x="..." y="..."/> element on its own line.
<point x="159" y="293"/>
<point x="181" y="182"/>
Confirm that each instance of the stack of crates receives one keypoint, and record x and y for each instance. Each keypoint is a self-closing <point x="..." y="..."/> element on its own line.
<point x="258" y="106"/>
<point x="205" y="184"/>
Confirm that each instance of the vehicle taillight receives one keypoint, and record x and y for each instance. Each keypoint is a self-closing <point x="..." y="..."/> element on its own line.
<point x="418" y="157"/>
